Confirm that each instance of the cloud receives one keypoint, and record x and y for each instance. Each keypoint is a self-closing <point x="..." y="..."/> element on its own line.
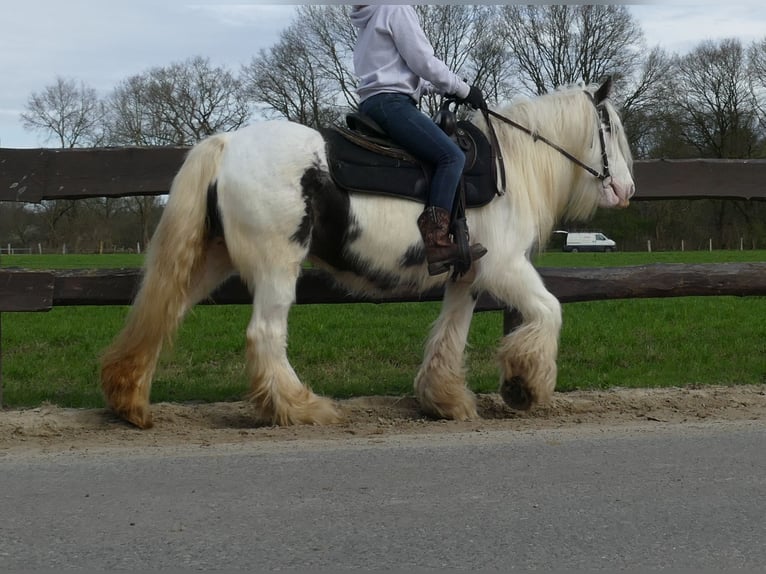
<point x="239" y="15"/>
<point x="102" y="43"/>
<point x="680" y="28"/>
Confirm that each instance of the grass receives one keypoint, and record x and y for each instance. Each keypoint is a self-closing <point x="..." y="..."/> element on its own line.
<point x="108" y="261"/>
<point x="560" y="259"/>
<point x="347" y="350"/>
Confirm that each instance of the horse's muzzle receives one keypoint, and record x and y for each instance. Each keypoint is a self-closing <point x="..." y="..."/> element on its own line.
<point x="613" y="194"/>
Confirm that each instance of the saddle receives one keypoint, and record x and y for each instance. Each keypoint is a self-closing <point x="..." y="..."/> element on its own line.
<point x="363" y="159"/>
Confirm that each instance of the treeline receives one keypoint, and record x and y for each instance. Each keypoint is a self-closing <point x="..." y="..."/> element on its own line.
<point x="688" y="224"/>
<point x="710" y="103"/>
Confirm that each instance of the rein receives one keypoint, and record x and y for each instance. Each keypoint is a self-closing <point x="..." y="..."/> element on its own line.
<point x="601" y="176"/>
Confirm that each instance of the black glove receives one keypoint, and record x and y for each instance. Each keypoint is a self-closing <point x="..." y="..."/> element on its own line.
<point x="475" y="99"/>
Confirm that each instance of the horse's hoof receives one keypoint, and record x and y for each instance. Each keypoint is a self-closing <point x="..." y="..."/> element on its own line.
<point x="460" y="412"/>
<point x="326" y="414"/>
<point x="140" y="417"/>
<point x="315" y="411"/>
<point x="515" y="393"/>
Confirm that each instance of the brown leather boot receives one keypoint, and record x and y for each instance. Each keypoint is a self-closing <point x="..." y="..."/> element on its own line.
<point x="441" y="252"/>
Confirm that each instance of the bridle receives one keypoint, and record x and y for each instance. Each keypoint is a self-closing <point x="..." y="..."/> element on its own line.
<point x="604" y="125"/>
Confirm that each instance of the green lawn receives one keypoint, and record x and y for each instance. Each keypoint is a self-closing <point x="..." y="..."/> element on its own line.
<point x="346" y="350"/>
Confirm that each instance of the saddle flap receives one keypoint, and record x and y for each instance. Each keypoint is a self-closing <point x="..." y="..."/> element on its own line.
<point x="373" y="164"/>
<point x="367" y="165"/>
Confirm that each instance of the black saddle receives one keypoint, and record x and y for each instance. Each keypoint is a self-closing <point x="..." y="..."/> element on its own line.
<point x="364" y="160"/>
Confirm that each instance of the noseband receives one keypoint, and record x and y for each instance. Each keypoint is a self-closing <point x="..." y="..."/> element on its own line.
<point x="603" y="114"/>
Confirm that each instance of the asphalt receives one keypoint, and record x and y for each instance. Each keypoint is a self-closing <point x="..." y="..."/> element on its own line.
<point x="689" y="496"/>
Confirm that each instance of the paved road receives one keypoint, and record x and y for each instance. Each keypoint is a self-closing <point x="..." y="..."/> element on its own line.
<point x="690" y="496"/>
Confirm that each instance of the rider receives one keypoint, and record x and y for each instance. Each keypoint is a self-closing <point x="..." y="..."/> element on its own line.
<point x="396" y="65"/>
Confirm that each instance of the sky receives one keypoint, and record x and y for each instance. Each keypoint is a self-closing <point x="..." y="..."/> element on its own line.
<point x="102" y="42"/>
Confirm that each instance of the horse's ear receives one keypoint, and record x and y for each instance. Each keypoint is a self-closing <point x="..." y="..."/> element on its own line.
<point x="604" y="90"/>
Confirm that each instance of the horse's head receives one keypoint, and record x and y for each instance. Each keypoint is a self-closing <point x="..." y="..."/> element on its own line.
<point x="617" y="185"/>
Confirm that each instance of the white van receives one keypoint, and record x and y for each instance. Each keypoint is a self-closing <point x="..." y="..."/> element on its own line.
<point x="588" y="241"/>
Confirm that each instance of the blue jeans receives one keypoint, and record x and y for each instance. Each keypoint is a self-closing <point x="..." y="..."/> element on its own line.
<point x="410" y="128"/>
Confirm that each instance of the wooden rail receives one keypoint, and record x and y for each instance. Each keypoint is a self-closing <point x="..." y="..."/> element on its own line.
<point x="32" y="175"/>
<point x="22" y="290"/>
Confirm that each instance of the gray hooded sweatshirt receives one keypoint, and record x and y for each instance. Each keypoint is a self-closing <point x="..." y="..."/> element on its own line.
<point x="392" y="54"/>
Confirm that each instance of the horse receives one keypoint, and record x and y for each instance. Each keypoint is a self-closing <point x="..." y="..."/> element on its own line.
<point x="259" y="201"/>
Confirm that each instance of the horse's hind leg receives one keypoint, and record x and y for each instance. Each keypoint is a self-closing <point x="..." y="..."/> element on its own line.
<point x="440" y="382"/>
<point x="128" y="365"/>
<point x="215" y="270"/>
<point x="528" y="354"/>
<point x="276" y="392"/>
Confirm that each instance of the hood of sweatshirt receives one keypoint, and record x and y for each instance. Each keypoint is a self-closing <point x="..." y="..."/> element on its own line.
<point x="361" y="15"/>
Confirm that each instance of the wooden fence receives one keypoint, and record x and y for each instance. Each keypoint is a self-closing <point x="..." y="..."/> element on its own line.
<point x="33" y="175"/>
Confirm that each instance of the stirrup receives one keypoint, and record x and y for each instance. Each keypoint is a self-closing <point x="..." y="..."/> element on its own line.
<point x="476" y="251"/>
<point x="463" y="263"/>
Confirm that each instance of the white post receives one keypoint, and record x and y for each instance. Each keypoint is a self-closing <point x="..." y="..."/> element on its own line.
<point x="63" y="249"/>
<point x="682" y="245"/>
<point x="710" y="244"/>
<point x="40" y="248"/>
<point x="741" y="243"/>
<point x="138" y="247"/>
<point x="9" y="249"/>
<point x="649" y="245"/>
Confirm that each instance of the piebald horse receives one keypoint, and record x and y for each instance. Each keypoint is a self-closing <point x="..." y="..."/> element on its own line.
<point x="259" y="202"/>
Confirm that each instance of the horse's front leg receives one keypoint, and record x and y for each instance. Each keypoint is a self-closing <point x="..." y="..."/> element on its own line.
<point x="277" y="394"/>
<point x="528" y="353"/>
<point x="440" y="383"/>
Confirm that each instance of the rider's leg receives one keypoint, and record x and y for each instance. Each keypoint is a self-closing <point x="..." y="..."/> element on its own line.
<point x="418" y="134"/>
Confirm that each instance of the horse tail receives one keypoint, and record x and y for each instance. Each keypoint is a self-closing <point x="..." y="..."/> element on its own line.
<point x="176" y="251"/>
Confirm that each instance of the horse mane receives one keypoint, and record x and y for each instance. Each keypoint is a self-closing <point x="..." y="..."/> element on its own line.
<point x="543" y="185"/>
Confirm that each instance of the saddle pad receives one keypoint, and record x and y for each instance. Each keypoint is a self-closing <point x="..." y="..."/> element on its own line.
<point x="360" y="164"/>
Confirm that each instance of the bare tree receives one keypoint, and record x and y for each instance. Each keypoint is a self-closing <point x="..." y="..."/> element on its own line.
<point x="17" y="224"/>
<point x="329" y="38"/>
<point x="455" y="31"/>
<point x="466" y="39"/>
<point x="308" y="76"/>
<point x="713" y="100"/>
<point x="55" y="218"/>
<point x="72" y="114"/>
<point x="176" y="105"/>
<point x="645" y="105"/>
<point x="66" y="110"/>
<point x="711" y="112"/>
<point x="562" y="44"/>
<point x="489" y="61"/>
<point x="289" y="79"/>
<point x="134" y="118"/>
<point x="757" y="73"/>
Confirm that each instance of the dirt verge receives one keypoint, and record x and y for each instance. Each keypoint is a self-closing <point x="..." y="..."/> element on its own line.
<point x="52" y="429"/>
